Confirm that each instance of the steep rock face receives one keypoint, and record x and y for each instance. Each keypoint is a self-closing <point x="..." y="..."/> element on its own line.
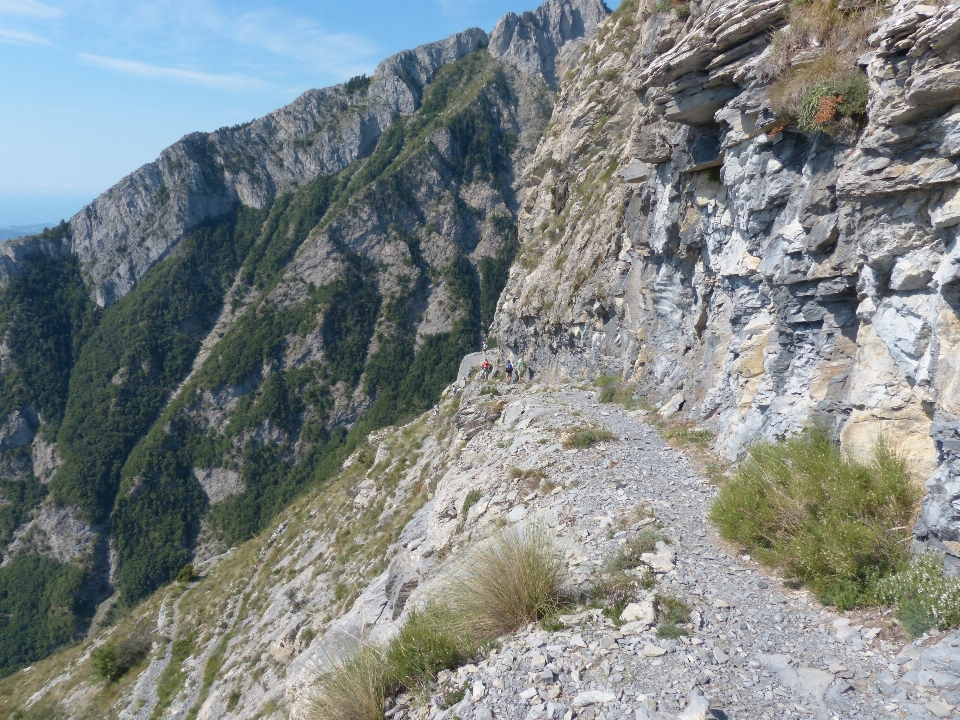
<point x="121" y="234"/>
<point x="677" y="234"/>
<point x="534" y="41"/>
<point x="137" y="222"/>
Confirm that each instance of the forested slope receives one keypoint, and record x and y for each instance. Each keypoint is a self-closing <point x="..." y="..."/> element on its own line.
<point x="172" y="381"/>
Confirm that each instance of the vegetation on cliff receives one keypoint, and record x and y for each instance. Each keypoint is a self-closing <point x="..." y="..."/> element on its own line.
<point x="827" y="519"/>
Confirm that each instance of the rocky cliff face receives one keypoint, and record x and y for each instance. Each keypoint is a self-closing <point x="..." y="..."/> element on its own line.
<point x="758" y="277"/>
<point x="136" y="223"/>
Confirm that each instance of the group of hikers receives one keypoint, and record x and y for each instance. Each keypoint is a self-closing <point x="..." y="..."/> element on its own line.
<point x="513" y="372"/>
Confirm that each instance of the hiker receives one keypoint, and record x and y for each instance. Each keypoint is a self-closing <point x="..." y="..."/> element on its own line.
<point x="509" y="370"/>
<point x="522" y="371"/>
<point x="485" y="369"/>
<point x="436" y="409"/>
<point x="484" y="343"/>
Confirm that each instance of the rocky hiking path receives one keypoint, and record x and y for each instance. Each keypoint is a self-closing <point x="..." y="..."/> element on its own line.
<point x="758" y="648"/>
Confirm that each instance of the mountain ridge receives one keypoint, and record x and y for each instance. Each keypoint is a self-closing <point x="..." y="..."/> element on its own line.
<point x="245" y="323"/>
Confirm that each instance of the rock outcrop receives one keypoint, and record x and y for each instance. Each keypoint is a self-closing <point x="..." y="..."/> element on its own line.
<point x="679" y="235"/>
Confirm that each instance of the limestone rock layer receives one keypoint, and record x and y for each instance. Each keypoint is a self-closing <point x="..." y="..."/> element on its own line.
<point x="678" y="234"/>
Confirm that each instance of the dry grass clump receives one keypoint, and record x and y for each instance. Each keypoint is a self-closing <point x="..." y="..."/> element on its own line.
<point x="818" y="84"/>
<point x="354" y="688"/>
<point x="835" y="523"/>
<point x="511" y="580"/>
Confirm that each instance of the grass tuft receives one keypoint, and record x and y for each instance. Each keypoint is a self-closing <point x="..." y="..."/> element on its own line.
<point x="819" y="87"/>
<point x="835" y="523"/>
<point x="614" y="390"/>
<point x="426" y="645"/>
<point x="513" y="579"/>
<point x="672" y="610"/>
<point x="355" y="688"/>
<point x="585" y="438"/>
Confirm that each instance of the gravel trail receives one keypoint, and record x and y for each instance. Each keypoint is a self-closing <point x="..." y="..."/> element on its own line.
<point x="758" y="649"/>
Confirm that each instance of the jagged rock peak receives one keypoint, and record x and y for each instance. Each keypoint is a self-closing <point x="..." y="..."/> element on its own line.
<point x="533" y="40"/>
<point x="136" y="223"/>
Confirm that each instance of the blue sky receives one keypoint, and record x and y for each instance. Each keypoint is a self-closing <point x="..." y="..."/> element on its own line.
<point x="92" y="89"/>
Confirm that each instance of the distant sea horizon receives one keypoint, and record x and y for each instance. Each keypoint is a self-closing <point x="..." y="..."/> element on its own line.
<point x="25" y="209"/>
<point x="12" y="232"/>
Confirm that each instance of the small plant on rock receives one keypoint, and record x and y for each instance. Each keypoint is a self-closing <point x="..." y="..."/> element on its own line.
<point x="924" y="596"/>
<point x="818" y="86"/>
<point x="629" y="556"/>
<point x="472" y="498"/>
<point x="451" y="697"/>
<point x="585" y="438"/>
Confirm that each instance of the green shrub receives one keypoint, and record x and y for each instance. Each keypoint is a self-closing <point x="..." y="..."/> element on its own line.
<point x="187" y="574"/>
<point x="585" y="438"/>
<point x="835" y="523"/>
<point x="513" y="579"/>
<point x="425" y="645"/>
<point x="924" y="596"/>
<point x="112" y="660"/>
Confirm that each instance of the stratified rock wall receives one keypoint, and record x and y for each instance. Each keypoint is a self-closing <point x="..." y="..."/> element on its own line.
<point x="676" y="234"/>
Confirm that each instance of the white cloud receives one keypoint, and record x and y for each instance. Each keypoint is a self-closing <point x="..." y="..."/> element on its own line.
<point x="29" y="8"/>
<point x="290" y="36"/>
<point x="21" y="37"/>
<point x="455" y="7"/>
<point x="192" y="77"/>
